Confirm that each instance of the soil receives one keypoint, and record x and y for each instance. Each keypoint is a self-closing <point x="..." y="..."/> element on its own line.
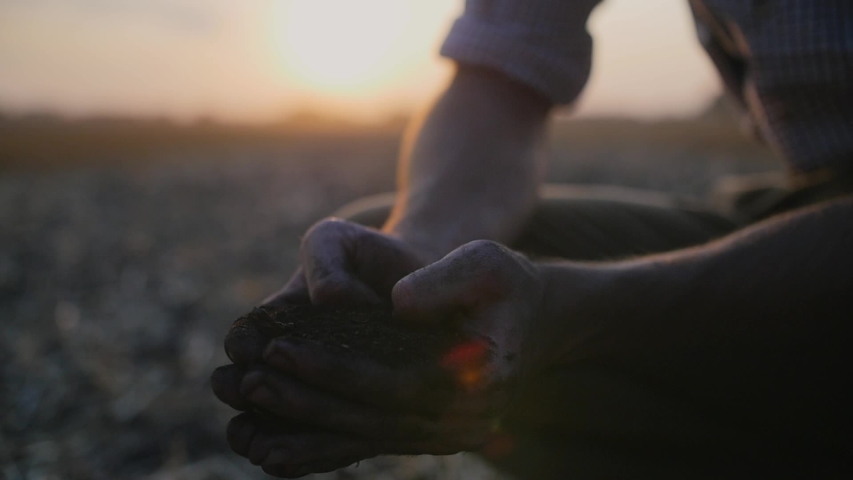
<point x="367" y="332"/>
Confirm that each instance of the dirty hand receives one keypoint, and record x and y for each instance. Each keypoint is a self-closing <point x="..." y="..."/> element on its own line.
<point x="351" y="409"/>
<point x="343" y="263"/>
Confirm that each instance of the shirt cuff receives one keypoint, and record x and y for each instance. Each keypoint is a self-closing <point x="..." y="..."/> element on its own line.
<point x="555" y="65"/>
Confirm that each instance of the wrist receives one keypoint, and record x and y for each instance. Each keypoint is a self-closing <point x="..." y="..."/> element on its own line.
<point x="580" y="305"/>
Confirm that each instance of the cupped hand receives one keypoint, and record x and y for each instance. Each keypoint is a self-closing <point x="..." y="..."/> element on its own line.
<point x="343" y="263"/>
<point x="361" y="409"/>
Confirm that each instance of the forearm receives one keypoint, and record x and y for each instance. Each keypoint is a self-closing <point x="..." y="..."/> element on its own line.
<point x="754" y="327"/>
<point x="470" y="169"/>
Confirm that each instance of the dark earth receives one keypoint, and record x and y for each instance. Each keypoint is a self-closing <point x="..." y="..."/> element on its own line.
<point x="366" y="332"/>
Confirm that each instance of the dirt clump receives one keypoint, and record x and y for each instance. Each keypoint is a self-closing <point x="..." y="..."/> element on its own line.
<point x="367" y="332"/>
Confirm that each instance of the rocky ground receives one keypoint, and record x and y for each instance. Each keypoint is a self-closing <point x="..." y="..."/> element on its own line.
<point x="117" y="286"/>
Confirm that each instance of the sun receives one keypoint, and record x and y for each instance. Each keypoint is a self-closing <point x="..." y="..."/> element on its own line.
<point x="341" y="46"/>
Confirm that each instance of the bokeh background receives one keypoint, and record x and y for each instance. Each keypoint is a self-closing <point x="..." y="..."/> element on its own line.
<point x="159" y="160"/>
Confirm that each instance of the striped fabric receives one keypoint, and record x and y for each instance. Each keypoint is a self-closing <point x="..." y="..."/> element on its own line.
<point x="788" y="62"/>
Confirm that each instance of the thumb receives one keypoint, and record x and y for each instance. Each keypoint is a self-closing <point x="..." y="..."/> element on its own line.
<point x="328" y="255"/>
<point x="468" y="277"/>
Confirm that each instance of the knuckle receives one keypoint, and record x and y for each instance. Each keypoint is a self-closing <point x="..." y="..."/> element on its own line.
<point x="489" y="255"/>
<point x="490" y="261"/>
<point x="324" y="228"/>
<point x="485" y="248"/>
<point x="403" y="295"/>
<point x="331" y="224"/>
<point x="498" y="263"/>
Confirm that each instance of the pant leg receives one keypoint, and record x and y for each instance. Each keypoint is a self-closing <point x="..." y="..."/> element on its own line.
<point x="751" y="198"/>
<point x="605" y="223"/>
<point x="592" y="222"/>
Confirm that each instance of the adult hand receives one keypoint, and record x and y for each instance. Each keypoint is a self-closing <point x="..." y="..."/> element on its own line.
<point x="356" y="409"/>
<point x="341" y="263"/>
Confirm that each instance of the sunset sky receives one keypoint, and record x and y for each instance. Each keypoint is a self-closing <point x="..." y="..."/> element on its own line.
<point x="257" y="60"/>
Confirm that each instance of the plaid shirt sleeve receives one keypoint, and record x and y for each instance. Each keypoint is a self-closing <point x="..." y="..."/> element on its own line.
<point x="790" y="63"/>
<point x="541" y="43"/>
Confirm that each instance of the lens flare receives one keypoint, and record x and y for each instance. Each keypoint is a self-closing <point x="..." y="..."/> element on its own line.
<point x="467" y="361"/>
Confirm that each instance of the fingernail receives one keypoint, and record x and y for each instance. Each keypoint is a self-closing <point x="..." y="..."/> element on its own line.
<point x="251" y="382"/>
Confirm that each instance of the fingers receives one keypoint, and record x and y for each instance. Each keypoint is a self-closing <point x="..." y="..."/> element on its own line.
<point x="245" y="428"/>
<point x="343" y="263"/>
<point x="287" y="471"/>
<point x="308" y="448"/>
<point x="326" y="255"/>
<point x="225" y="382"/>
<point x="244" y="346"/>
<point x="314" y="372"/>
<point x="285" y="452"/>
<point x="426" y="389"/>
<point x="348" y="264"/>
<point x="240" y="432"/>
<point x="293" y="401"/>
<point x="357" y="408"/>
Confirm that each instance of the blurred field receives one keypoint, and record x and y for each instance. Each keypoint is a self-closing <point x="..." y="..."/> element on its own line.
<point x="129" y="247"/>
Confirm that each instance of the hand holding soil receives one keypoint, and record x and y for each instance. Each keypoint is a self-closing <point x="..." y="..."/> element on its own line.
<point x="353" y="383"/>
<point x="343" y="263"/>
